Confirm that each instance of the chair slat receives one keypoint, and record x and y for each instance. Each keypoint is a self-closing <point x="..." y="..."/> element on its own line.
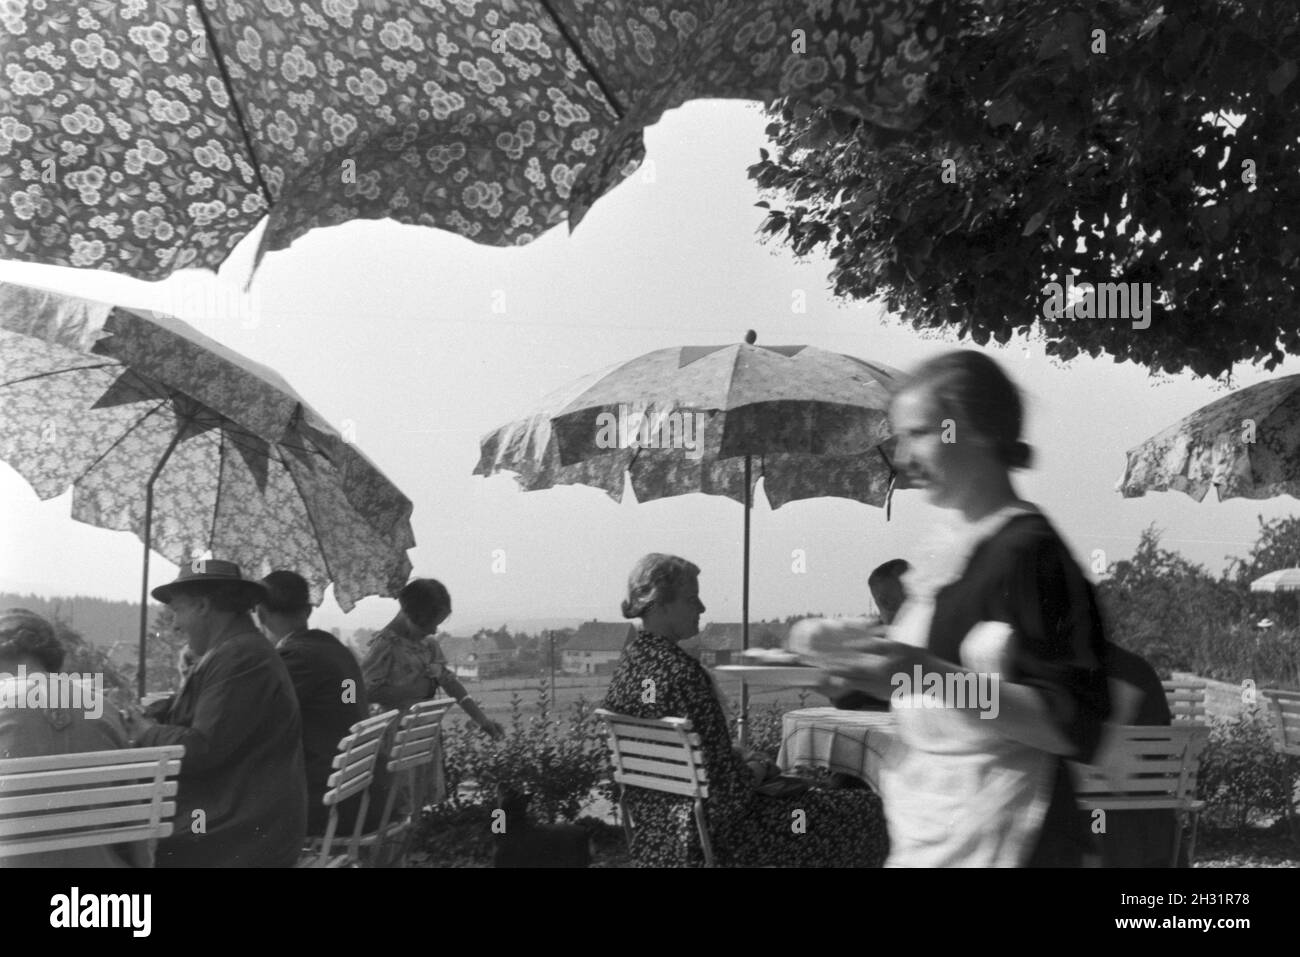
<point x="43" y="823"/>
<point x="89" y="797"/>
<point x="666" y="751"/>
<point x="89" y="759"/>
<point x="11" y="783"/>
<point x="684" y="788"/>
<point x="667" y="769"/>
<point x="95" y="838"/>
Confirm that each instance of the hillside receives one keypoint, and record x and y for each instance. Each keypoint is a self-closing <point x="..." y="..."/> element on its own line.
<point x="100" y="621"/>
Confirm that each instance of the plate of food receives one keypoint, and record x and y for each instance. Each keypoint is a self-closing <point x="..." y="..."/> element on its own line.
<point x="832" y="642"/>
<point x="770" y="656"/>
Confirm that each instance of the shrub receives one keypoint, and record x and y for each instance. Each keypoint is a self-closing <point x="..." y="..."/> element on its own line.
<point x="1243" y="780"/>
<point x="560" y="763"/>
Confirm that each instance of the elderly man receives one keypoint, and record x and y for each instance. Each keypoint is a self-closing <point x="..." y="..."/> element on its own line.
<point x="31" y="652"/>
<point x="243" y="793"/>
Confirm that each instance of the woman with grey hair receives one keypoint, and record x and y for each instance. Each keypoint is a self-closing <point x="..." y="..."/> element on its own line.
<point x="657" y="679"/>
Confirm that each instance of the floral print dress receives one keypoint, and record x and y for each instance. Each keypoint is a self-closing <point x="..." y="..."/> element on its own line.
<point x="835" y="829"/>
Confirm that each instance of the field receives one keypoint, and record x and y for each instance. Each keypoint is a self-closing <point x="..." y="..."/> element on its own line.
<point x="494" y="696"/>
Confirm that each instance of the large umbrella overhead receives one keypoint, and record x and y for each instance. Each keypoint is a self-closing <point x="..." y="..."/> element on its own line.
<point x="1245" y="445"/>
<point x="712" y="419"/>
<point x="161" y="431"/>
<point x="151" y="135"/>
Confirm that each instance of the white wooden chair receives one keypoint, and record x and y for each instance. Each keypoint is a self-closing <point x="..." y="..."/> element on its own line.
<point x="415" y="747"/>
<point x="1186" y="697"/>
<point x="1145" y="768"/>
<point x="662" y="754"/>
<point x="354" y="770"/>
<point x="1284" y="709"/>
<point x="87" y="799"/>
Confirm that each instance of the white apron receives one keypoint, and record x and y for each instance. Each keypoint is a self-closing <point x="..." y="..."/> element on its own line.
<point x="956" y="792"/>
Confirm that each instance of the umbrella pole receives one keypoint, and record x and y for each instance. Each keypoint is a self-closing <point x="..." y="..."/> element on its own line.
<point x="743" y="722"/>
<point x="148" y="545"/>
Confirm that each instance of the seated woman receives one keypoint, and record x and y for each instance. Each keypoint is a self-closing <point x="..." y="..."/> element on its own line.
<point x="243" y="787"/>
<point x="657" y="679"/>
<point x="30" y="651"/>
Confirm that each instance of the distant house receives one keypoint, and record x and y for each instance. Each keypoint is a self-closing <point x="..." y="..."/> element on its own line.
<point x="596" y="647"/>
<point x="461" y="654"/>
<point x="722" y="641"/>
<point x="496" y="652"/>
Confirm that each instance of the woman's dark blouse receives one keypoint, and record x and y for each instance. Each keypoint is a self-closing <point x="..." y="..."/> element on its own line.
<point x="657" y="679"/>
<point x="1025" y="575"/>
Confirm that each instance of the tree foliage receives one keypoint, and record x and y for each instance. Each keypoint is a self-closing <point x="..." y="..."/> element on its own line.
<point x="1157" y="602"/>
<point x="1133" y="141"/>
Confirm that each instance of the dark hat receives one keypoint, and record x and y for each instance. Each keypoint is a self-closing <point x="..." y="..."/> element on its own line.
<point x="210" y="571"/>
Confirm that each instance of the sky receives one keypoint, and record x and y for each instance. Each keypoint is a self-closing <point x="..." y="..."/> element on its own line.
<point x="415" y="343"/>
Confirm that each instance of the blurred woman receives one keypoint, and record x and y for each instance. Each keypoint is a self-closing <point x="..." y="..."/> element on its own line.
<point x="995" y="603"/>
<point x="657" y="679"/>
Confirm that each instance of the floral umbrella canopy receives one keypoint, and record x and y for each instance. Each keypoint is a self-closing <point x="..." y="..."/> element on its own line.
<point x="1245" y="445"/>
<point x="161" y="431"/>
<point x="144" y="136"/>
<point x="699" y="418"/>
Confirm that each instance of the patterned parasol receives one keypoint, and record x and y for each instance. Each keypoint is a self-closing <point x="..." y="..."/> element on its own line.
<point x="145" y="136"/>
<point x="1245" y="445"/>
<point x="161" y="431"/>
<point x="700" y="418"/>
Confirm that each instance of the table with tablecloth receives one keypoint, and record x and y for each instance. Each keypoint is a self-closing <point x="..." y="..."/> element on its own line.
<point x="847" y="742"/>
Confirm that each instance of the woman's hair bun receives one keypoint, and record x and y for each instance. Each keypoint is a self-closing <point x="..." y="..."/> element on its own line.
<point x="1019" y="454"/>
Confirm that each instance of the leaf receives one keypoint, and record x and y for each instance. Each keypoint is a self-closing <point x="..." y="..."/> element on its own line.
<point x="1151" y="23"/>
<point x="1281" y="78"/>
<point x="1004" y="111"/>
<point x="1035" y="221"/>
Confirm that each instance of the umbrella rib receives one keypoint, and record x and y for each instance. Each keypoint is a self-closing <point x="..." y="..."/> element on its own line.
<point x="234" y="102"/>
<point x="120" y="439"/>
<point x="64" y="371"/>
<point x="576" y="47"/>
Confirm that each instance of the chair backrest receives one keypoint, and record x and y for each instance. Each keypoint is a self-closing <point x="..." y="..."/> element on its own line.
<point x="658" y="754"/>
<point x="64" y="801"/>
<point x="354" y="770"/>
<point x="1146" y="767"/>
<point x="661" y="754"/>
<point x="1186" y="697"/>
<point x="416" y="740"/>
<point x="1284" y="707"/>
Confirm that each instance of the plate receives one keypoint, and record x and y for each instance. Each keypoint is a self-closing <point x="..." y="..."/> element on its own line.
<point x="784" y="676"/>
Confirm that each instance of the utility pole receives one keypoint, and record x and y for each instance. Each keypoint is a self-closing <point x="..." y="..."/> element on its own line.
<point x="550" y="654"/>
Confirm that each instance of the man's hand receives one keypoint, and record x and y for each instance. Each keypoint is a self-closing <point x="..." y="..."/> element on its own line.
<point x="136" y="724"/>
<point x="493" y="730"/>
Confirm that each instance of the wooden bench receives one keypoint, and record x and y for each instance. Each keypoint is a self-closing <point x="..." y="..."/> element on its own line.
<point x="661" y="754"/>
<point x="1145" y="768"/>
<point x="354" y="771"/>
<point x="88" y="799"/>
<point x="416" y="745"/>
<point x="1186" y="697"/>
